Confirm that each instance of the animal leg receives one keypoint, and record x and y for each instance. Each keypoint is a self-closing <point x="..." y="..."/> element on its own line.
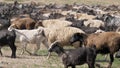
<point x="45" y="42"/>
<point x="23" y="48"/>
<point x="91" y="65"/>
<point x="38" y="47"/>
<point x="73" y="66"/>
<point x="1" y="51"/>
<point x="106" y="56"/>
<point x="65" y="66"/>
<point x="13" y="48"/>
<point x="111" y="61"/>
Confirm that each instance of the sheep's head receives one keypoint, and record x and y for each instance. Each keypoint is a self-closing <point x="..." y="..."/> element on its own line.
<point x="55" y="47"/>
<point x="77" y="37"/>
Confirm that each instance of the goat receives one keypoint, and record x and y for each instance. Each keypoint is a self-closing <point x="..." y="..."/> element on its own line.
<point x="76" y="56"/>
<point x="106" y="42"/>
<point x="8" y="38"/>
<point x="35" y="36"/>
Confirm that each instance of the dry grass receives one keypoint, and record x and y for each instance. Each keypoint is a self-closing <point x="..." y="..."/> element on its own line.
<point x="89" y="2"/>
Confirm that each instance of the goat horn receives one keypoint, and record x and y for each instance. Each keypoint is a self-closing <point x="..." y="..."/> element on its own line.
<point x="49" y="54"/>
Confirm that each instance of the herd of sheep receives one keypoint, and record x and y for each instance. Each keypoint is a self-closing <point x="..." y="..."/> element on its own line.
<point x="90" y="29"/>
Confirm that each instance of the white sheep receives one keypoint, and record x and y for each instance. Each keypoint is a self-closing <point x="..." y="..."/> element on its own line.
<point x="80" y="16"/>
<point x="94" y="23"/>
<point x="34" y="36"/>
<point x="55" y="22"/>
<point x="61" y="34"/>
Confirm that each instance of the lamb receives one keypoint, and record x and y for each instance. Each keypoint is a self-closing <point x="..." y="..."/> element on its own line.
<point x="62" y="34"/>
<point x="35" y="36"/>
<point x="74" y="57"/>
<point x="106" y="42"/>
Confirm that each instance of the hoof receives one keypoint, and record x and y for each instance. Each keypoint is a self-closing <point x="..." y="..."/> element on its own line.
<point x="13" y="56"/>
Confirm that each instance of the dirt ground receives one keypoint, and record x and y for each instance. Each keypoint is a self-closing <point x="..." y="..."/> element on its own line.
<point x="23" y="61"/>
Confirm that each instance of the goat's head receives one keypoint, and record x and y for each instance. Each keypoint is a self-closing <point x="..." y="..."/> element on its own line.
<point x="55" y="47"/>
<point x="77" y="37"/>
<point x="40" y="31"/>
<point x="10" y="28"/>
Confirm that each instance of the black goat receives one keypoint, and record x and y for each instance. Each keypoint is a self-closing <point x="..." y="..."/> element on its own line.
<point x="8" y="38"/>
<point x="76" y="56"/>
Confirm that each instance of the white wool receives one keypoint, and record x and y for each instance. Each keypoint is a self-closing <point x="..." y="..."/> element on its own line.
<point x="94" y="23"/>
<point x="55" y="23"/>
<point x="62" y="34"/>
<point x="34" y="36"/>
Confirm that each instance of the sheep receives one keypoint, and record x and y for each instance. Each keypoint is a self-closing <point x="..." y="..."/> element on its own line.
<point x="55" y="22"/>
<point x="80" y="16"/>
<point x="23" y="23"/>
<point x="106" y="42"/>
<point x="87" y="30"/>
<point x="74" y="57"/>
<point x="35" y="36"/>
<point x="111" y="22"/>
<point x="94" y="23"/>
<point x="61" y="34"/>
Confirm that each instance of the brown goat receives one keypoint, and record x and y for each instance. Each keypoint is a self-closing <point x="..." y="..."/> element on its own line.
<point x="23" y="23"/>
<point x="106" y="42"/>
